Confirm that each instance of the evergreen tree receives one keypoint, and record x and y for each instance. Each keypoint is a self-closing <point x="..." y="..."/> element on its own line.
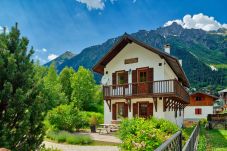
<point x="22" y="101"/>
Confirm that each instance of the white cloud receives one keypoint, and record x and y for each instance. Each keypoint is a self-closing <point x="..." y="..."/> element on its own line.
<point x="93" y="4"/>
<point x="134" y="1"/>
<point x="2" y="30"/>
<point x="198" y="21"/>
<point x="52" y="56"/>
<point x="44" y="50"/>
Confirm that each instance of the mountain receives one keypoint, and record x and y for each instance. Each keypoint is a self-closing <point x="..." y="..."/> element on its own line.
<point x="60" y="59"/>
<point x="199" y="50"/>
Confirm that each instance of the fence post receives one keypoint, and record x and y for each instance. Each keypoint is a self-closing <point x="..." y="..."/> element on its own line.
<point x="180" y="140"/>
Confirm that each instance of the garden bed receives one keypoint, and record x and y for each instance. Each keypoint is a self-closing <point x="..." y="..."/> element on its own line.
<point x="75" y="139"/>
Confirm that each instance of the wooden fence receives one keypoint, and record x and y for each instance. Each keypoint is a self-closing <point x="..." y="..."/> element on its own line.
<point x="217" y="119"/>
<point x="175" y="142"/>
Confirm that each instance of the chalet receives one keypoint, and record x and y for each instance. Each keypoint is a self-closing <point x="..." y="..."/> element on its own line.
<point x="201" y="104"/>
<point x="141" y="81"/>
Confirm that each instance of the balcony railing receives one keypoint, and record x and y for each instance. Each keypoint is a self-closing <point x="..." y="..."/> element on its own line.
<point x="164" y="88"/>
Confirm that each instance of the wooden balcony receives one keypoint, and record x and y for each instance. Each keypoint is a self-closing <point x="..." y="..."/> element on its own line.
<point x="164" y="88"/>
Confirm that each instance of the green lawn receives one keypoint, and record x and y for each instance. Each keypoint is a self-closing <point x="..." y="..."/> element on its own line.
<point x="213" y="140"/>
<point x="216" y="140"/>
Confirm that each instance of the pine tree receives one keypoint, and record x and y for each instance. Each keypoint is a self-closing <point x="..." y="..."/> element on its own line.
<point x="22" y="101"/>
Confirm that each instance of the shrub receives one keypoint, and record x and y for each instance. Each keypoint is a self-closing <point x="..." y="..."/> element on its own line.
<point x="141" y="134"/>
<point x="92" y="117"/>
<point x="64" y="117"/>
<point x="63" y="136"/>
<point x="203" y="121"/>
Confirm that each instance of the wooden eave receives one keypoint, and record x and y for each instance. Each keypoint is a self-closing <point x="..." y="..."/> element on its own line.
<point x="125" y="39"/>
<point x="196" y="93"/>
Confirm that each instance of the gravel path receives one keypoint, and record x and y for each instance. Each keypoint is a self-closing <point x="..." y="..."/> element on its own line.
<point x="65" y="147"/>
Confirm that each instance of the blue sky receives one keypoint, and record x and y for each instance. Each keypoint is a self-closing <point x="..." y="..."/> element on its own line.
<point x="54" y="26"/>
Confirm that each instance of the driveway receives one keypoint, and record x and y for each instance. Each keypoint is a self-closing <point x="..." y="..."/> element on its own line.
<point x="66" y="147"/>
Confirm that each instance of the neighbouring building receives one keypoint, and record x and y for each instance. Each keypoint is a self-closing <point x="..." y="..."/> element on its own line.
<point x="223" y="95"/>
<point x="201" y="104"/>
<point x="221" y="104"/>
<point x="141" y="81"/>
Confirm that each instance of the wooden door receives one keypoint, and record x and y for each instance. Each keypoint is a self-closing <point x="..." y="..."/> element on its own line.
<point x="142" y="81"/>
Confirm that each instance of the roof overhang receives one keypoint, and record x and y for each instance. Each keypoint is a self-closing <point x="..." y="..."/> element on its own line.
<point x="124" y="40"/>
<point x="213" y="96"/>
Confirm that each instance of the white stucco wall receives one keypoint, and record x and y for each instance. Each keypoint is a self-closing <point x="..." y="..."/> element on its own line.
<point x="168" y="73"/>
<point x="189" y="112"/>
<point x="145" y="57"/>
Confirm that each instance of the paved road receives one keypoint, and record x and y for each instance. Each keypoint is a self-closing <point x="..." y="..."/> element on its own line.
<point x="65" y="147"/>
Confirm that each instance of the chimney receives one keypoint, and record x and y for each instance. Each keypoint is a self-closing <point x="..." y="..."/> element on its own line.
<point x="180" y="61"/>
<point x="167" y="48"/>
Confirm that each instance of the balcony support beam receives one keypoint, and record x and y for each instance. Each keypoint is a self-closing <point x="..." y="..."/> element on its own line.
<point x="155" y="103"/>
<point x="128" y="100"/>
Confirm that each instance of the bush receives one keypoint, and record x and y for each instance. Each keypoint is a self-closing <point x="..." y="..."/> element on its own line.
<point x="89" y="116"/>
<point x="203" y="121"/>
<point x="63" y="136"/>
<point x="141" y="134"/>
<point x="64" y="117"/>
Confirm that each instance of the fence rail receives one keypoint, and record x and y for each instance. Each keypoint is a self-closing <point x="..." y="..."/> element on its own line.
<point x="172" y="144"/>
<point x="192" y="142"/>
<point x="175" y="142"/>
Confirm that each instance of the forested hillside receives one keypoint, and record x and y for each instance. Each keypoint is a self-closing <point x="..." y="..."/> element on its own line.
<point x="197" y="48"/>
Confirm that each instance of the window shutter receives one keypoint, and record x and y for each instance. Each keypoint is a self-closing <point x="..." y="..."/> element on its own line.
<point x="195" y="111"/>
<point x="200" y="111"/>
<point x="126" y="78"/>
<point x="150" y="109"/>
<point x="114" y="114"/>
<point x="134" y="80"/>
<point x="135" y="109"/>
<point x="126" y="110"/>
<point x="150" y="79"/>
<point x="150" y="74"/>
<point x="114" y="78"/>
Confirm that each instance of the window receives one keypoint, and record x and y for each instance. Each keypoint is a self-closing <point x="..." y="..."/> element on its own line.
<point x="198" y="111"/>
<point x="120" y="110"/>
<point x="143" y="110"/>
<point x="198" y="98"/>
<point x="143" y="76"/>
<point x="120" y="78"/>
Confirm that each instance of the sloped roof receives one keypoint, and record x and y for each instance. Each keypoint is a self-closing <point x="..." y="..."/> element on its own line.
<point x="213" y="96"/>
<point x="125" y="39"/>
<point x="222" y="91"/>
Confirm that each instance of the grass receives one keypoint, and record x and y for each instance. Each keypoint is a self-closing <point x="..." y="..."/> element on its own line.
<point x="186" y="132"/>
<point x="210" y="140"/>
<point x="66" y="137"/>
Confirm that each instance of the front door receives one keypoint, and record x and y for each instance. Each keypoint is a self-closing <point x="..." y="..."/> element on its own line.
<point x="142" y="81"/>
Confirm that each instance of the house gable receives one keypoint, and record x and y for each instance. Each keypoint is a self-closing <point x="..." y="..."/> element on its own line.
<point x="127" y="39"/>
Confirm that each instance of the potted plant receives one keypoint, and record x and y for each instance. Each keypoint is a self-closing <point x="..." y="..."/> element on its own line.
<point x="93" y="123"/>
